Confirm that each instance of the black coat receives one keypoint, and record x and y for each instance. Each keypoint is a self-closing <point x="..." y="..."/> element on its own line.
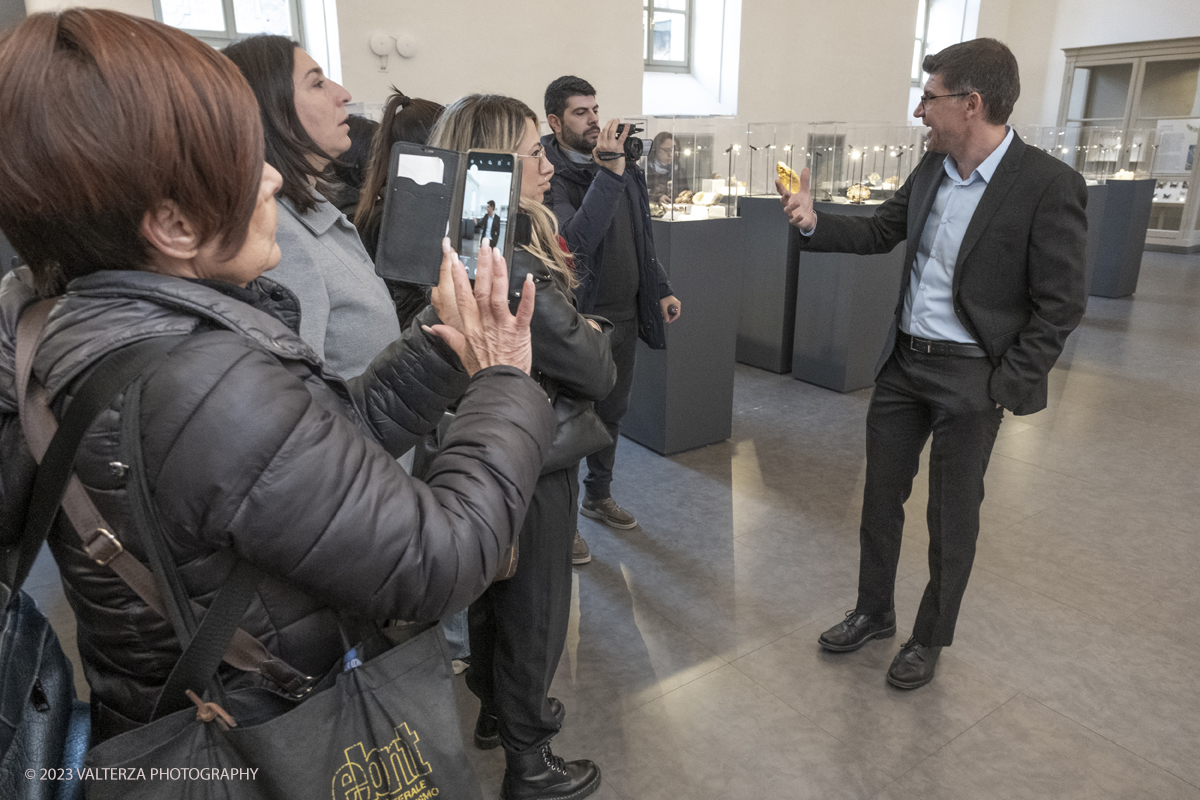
<point x="566" y="349"/>
<point x="1019" y="284"/>
<point x="584" y="207"/>
<point x="254" y="451"/>
<point x="481" y="223"/>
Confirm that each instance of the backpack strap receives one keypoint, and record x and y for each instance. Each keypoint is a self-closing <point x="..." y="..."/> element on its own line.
<point x="60" y="485"/>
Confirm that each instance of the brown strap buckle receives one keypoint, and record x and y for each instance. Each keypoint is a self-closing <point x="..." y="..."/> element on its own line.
<point x="103" y="547"/>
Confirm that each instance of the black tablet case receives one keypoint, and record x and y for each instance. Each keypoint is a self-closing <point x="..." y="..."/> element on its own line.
<point x="416" y="217"/>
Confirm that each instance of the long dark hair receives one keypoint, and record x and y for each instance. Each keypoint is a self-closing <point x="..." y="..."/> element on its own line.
<point x="268" y="63"/>
<point x="405" y="119"/>
<point x="348" y="171"/>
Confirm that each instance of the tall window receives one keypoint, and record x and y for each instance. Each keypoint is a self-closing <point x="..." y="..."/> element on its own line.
<point x="667" y="25"/>
<point x="940" y="23"/>
<point x="311" y="23"/>
<point x="220" y="22"/>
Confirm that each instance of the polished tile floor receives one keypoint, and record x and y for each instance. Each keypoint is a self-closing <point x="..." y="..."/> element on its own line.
<point x="692" y="670"/>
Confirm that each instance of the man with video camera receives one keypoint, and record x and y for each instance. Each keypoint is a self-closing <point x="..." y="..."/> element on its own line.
<point x="599" y="195"/>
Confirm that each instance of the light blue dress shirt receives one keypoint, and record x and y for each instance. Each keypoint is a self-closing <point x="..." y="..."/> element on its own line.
<point x="929" y="304"/>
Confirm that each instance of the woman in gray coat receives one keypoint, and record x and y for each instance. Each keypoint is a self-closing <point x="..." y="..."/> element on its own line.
<point x="157" y="218"/>
<point x="346" y="311"/>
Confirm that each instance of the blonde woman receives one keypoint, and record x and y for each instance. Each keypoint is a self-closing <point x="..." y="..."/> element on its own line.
<point x="518" y="627"/>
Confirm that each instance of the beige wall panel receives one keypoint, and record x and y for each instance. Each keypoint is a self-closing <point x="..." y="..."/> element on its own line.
<point x="515" y="49"/>
<point x="138" y="8"/>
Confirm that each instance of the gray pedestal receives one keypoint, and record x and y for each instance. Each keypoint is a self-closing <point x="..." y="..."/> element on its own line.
<point x="682" y="397"/>
<point x="844" y="308"/>
<point x="1097" y="202"/>
<point x="1122" y="237"/>
<point x="767" y="319"/>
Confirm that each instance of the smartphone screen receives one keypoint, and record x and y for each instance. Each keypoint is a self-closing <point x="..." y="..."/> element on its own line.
<point x="486" y="198"/>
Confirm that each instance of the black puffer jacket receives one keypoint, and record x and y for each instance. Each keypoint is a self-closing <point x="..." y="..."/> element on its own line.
<point x="253" y="451"/>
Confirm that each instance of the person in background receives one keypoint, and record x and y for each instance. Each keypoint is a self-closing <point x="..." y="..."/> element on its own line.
<point x="603" y="209"/>
<point x="163" y="225"/>
<point x="405" y="119"/>
<point x="349" y="170"/>
<point x="519" y="626"/>
<point x="663" y="178"/>
<point x="489" y="225"/>
<point x="346" y="312"/>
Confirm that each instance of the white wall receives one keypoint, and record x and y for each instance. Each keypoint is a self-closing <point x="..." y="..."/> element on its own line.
<point x="814" y="60"/>
<point x="138" y="8"/>
<point x="1038" y="30"/>
<point x="512" y="48"/>
<point x="793" y="62"/>
<point x="800" y="59"/>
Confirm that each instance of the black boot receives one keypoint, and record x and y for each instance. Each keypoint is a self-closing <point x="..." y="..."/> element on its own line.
<point x="487" y="725"/>
<point x="541" y="775"/>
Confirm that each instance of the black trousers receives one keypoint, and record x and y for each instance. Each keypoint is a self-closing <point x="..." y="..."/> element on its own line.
<point x="612" y="409"/>
<point x="917" y="395"/>
<point x="518" y="627"/>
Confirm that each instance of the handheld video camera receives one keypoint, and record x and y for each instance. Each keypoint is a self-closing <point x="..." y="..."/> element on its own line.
<point x="633" y="145"/>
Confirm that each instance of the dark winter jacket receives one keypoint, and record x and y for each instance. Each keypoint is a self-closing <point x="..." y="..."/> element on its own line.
<point x="570" y="357"/>
<point x="566" y="349"/>
<point x="254" y="451"/>
<point x="584" y="206"/>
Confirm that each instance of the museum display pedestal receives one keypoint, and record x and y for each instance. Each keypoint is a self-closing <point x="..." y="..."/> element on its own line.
<point x="844" y="308"/>
<point x="682" y="397"/>
<point x="770" y="251"/>
<point x="1097" y="200"/>
<point x="1121" y="237"/>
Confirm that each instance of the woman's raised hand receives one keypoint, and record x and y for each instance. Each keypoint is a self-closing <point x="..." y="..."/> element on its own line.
<point x="477" y="324"/>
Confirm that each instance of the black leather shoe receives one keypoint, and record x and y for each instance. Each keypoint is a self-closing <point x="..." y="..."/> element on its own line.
<point x="913" y="666"/>
<point x="487" y="725"/>
<point x="541" y="775"/>
<point x="858" y="629"/>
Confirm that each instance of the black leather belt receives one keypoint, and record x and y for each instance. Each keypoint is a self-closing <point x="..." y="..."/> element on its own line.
<point x="934" y="347"/>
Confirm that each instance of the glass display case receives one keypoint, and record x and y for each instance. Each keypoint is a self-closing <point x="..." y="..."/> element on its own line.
<point x="696" y="167"/>
<point x="1138" y="154"/>
<point x="1098" y="152"/>
<point x="764" y="142"/>
<point x="859" y="163"/>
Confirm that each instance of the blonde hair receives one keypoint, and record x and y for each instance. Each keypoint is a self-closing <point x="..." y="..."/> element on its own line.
<point x="495" y="122"/>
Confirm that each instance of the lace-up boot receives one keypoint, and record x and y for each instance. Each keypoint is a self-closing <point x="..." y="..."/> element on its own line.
<point x="541" y="775"/>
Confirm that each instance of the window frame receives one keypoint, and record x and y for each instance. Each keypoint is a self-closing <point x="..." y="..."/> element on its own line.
<point x="655" y="65"/>
<point x="220" y="39"/>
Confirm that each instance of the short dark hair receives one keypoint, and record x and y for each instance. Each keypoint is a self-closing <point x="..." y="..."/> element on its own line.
<point x="267" y="62"/>
<point x="105" y="116"/>
<point x="985" y="66"/>
<point x="561" y="90"/>
<point x="492" y="203"/>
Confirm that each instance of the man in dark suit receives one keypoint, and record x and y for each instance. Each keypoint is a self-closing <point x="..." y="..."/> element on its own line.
<point x="489" y="223"/>
<point x="993" y="284"/>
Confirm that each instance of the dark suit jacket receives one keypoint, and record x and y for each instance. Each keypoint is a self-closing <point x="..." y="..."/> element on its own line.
<point x="481" y="224"/>
<point x="1019" y="279"/>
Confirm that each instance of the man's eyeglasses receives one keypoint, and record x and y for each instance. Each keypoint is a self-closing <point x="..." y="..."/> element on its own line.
<point x="926" y="98"/>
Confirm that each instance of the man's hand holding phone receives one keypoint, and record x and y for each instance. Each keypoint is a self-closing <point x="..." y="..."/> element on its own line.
<point x="799" y="206"/>
<point x="611" y="142"/>
<point x="476" y="323"/>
